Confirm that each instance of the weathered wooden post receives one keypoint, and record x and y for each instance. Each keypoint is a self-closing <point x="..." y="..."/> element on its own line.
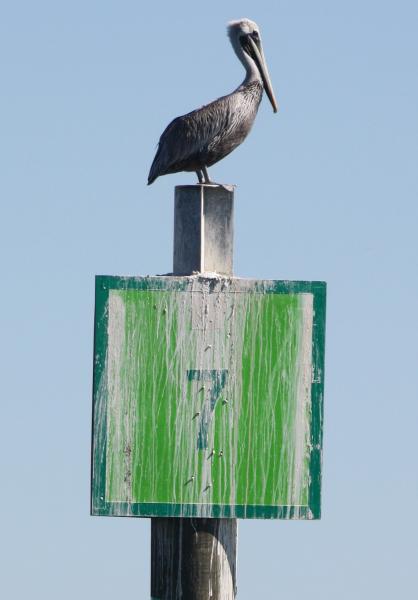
<point x="203" y="230"/>
<point x="208" y="395"/>
<point x="195" y="559"/>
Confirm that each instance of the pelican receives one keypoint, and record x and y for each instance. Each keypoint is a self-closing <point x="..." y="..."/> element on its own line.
<point x="199" y="139"/>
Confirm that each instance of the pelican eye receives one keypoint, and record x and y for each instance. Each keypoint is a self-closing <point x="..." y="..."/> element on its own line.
<point x="256" y="38"/>
<point x="245" y="44"/>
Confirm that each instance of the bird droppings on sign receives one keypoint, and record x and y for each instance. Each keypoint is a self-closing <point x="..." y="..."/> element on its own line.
<point x="214" y="377"/>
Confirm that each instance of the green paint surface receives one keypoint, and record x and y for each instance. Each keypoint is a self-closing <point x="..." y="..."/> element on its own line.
<point x="205" y="400"/>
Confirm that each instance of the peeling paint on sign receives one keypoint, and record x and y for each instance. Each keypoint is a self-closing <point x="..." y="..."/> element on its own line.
<point x="208" y="397"/>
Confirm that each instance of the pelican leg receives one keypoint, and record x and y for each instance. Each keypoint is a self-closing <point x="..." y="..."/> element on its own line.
<point x="208" y="181"/>
<point x="206" y="175"/>
<point x="200" y="176"/>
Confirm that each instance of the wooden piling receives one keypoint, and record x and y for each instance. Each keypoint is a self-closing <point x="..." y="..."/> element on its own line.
<point x="203" y="229"/>
<point x="195" y="559"/>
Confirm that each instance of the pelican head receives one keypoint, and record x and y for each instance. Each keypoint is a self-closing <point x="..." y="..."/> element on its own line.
<point x="246" y="41"/>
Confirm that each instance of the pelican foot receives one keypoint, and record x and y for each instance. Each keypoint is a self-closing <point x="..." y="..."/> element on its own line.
<point x="225" y="186"/>
<point x="204" y="179"/>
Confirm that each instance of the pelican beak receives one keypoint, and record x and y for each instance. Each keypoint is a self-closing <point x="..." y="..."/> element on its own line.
<point x="258" y="56"/>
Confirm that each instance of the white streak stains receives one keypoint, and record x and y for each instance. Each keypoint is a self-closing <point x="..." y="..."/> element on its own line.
<point x="208" y="397"/>
<point x="303" y="404"/>
<point x="120" y="412"/>
<point x="220" y="563"/>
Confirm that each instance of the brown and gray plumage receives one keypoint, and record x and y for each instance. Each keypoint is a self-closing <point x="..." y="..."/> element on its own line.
<point x="204" y="136"/>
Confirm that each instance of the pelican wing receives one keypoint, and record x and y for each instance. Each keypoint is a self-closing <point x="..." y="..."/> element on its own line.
<point x="187" y="138"/>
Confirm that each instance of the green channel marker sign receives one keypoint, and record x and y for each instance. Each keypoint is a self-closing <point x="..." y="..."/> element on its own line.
<point x="208" y="397"/>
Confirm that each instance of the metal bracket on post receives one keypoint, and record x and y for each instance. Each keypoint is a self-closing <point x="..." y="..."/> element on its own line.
<point x="195" y="559"/>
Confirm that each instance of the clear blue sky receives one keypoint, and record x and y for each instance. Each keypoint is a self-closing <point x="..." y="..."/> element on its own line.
<point x="327" y="189"/>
